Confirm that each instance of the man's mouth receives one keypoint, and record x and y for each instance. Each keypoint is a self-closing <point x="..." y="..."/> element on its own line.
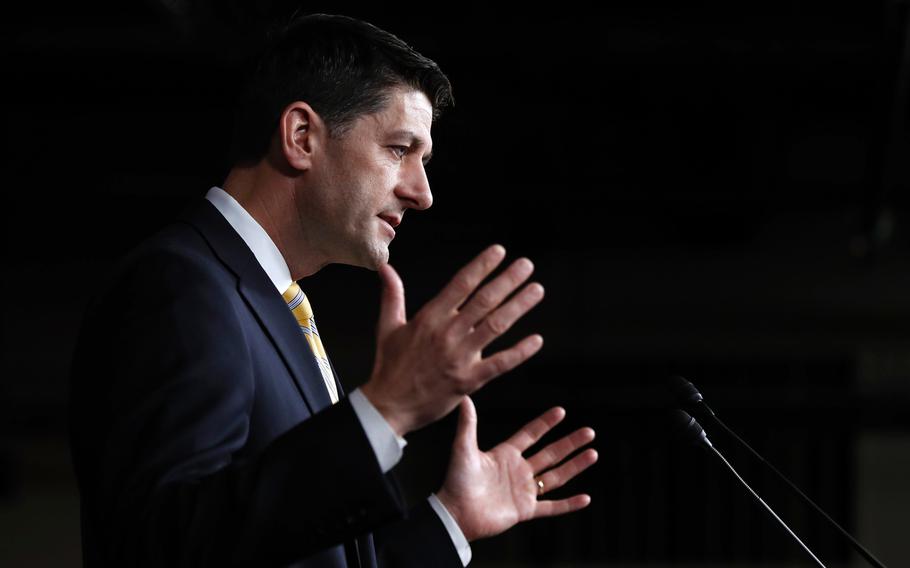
<point x="391" y="222"/>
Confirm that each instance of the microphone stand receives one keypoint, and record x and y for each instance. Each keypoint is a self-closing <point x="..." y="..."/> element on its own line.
<point x="856" y="545"/>
<point x="689" y="429"/>
<point x="688" y="395"/>
<point x="765" y="505"/>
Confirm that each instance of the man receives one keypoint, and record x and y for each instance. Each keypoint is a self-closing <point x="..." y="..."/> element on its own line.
<point x="208" y="425"/>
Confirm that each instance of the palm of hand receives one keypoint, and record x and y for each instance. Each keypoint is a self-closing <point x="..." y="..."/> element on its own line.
<point x="489" y="492"/>
<point x="501" y="482"/>
<point x="424" y="366"/>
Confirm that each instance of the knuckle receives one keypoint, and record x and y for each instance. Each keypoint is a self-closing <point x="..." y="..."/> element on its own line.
<point x="454" y="371"/>
<point x="461" y="380"/>
<point x="462" y="285"/>
<point x="485" y="300"/>
<point x="420" y="318"/>
<point x="464" y="387"/>
<point x="439" y="338"/>
<point x="501" y="365"/>
<point x="497" y="326"/>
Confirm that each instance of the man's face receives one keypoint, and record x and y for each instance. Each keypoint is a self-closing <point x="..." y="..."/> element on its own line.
<point x="367" y="180"/>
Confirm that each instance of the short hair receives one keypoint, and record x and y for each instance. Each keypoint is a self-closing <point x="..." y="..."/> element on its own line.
<point x="342" y="67"/>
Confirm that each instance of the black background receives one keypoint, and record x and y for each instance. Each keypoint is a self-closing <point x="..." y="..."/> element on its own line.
<point x="718" y="191"/>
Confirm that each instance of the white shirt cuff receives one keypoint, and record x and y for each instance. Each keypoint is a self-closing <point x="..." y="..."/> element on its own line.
<point x="458" y="539"/>
<point x="386" y="444"/>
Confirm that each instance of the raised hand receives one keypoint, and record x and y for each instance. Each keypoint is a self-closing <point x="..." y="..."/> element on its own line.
<point x="489" y="492"/>
<point x="425" y="366"/>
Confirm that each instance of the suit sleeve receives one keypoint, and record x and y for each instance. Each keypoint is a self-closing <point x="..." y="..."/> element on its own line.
<point x="162" y="394"/>
<point x="420" y="539"/>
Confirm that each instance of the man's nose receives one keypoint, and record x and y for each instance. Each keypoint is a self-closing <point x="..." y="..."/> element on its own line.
<point x="415" y="189"/>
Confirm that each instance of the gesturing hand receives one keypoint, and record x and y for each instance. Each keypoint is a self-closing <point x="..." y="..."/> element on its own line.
<point x="425" y="366"/>
<point x="489" y="492"/>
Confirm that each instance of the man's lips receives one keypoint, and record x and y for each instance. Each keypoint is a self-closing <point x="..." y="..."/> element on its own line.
<point x="391" y="222"/>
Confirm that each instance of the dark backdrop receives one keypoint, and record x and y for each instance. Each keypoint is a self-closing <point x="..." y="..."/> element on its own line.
<point x="716" y="191"/>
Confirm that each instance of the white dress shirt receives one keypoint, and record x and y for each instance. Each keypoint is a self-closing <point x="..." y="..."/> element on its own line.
<point x="386" y="444"/>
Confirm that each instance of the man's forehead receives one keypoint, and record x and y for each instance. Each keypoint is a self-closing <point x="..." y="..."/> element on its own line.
<point x="406" y="111"/>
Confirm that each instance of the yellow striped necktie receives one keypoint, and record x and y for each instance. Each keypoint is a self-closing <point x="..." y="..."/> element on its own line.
<point x="303" y="312"/>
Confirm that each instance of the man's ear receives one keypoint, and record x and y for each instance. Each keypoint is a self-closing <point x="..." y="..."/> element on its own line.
<point x="300" y="132"/>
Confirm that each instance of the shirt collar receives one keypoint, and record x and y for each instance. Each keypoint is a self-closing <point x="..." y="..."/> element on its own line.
<point x="267" y="254"/>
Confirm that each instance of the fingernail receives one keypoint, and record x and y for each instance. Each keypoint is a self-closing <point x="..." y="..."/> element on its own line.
<point x="524" y="266"/>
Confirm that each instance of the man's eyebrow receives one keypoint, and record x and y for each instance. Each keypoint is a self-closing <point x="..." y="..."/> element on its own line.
<point x="415" y="141"/>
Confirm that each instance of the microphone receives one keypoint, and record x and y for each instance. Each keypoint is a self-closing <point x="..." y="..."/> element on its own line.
<point x="688" y="429"/>
<point x="691" y="431"/>
<point x="689" y="396"/>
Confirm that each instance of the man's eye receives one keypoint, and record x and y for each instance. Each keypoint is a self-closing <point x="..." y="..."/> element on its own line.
<point x="400" y="151"/>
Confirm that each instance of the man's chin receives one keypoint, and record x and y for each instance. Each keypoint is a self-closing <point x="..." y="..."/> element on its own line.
<point x="373" y="258"/>
<point x="380" y="259"/>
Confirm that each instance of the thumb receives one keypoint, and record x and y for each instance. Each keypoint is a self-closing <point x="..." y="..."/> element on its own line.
<point x="391" y="303"/>
<point x="466" y="433"/>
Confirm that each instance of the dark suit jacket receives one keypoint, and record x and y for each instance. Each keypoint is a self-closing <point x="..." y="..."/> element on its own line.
<point x="202" y="432"/>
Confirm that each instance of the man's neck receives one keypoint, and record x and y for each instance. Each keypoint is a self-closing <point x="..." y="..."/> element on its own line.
<point x="270" y="199"/>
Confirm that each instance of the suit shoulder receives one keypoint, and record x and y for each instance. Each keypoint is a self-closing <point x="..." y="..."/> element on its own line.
<point x="175" y="261"/>
<point x="179" y="244"/>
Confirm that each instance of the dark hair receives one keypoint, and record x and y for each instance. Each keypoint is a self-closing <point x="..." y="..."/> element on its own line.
<point x="342" y="67"/>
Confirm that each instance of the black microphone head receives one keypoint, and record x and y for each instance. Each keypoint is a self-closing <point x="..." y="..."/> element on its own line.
<point x="684" y="391"/>
<point x="687" y="428"/>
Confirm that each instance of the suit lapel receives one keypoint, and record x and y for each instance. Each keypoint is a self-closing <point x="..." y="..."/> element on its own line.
<point x="337" y="379"/>
<point x="264" y="300"/>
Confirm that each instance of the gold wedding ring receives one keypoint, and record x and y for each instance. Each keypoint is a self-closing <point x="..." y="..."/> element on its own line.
<point x="540" y="486"/>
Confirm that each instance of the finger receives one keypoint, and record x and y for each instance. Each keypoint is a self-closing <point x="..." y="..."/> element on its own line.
<point x="558" y="450"/>
<point x="490" y="296"/>
<point x="467" y="280"/>
<point x="502" y="319"/>
<point x="504" y="361"/>
<point x="391" y="306"/>
<point x="561" y="506"/>
<point x="466" y="433"/>
<point x="534" y="430"/>
<point x="557" y="477"/>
